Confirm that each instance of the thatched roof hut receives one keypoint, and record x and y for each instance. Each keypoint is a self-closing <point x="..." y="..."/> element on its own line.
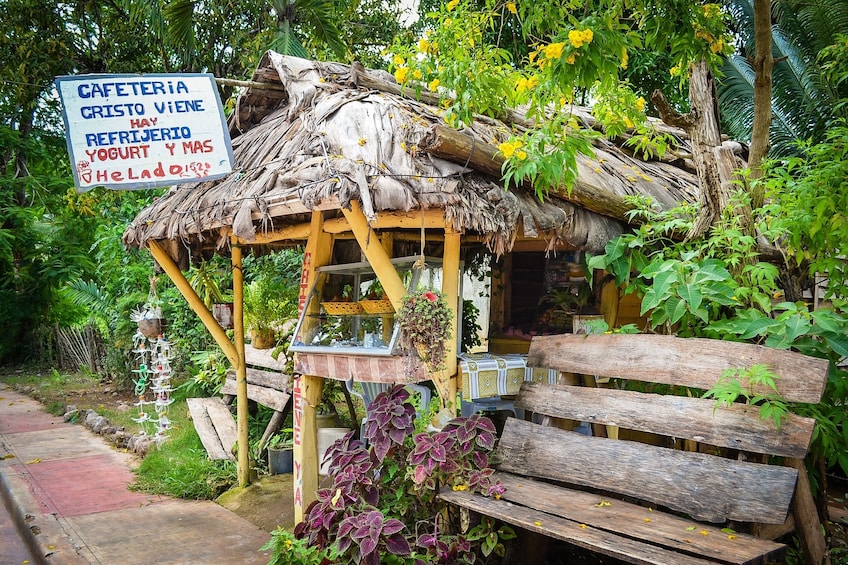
<point x="316" y="136"/>
<point x="327" y="152"/>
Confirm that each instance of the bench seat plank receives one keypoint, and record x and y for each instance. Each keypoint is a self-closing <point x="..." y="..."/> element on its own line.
<point x="735" y="427"/>
<point x="206" y="429"/>
<point x="631" y="520"/>
<point x="594" y="539"/>
<point x="692" y="362"/>
<point x="703" y="486"/>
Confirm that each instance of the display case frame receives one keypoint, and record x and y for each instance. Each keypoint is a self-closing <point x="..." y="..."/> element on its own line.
<point x="338" y="318"/>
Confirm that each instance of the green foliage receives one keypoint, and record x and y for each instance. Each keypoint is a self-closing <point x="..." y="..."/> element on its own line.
<point x="715" y="287"/>
<point x="742" y="383"/>
<point x="470" y="328"/>
<point x="286" y="549"/>
<point x="572" y="52"/>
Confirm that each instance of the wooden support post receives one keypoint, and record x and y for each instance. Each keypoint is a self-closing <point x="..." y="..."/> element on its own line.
<point x="194" y="301"/>
<point x="308" y="389"/>
<point x="376" y="255"/>
<point x="243" y="458"/>
<point x="807" y="523"/>
<point x="450" y="290"/>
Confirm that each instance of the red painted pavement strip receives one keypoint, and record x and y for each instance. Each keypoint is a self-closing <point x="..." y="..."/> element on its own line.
<point x="28" y="422"/>
<point x="83" y="485"/>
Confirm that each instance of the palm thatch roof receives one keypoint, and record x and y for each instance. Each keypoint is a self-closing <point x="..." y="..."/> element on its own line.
<point x="315" y="136"/>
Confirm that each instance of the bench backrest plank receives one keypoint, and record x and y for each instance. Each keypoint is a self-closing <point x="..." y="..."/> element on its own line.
<point x="691" y="362"/>
<point x="698" y="419"/>
<point x="272" y="398"/>
<point x="705" y="487"/>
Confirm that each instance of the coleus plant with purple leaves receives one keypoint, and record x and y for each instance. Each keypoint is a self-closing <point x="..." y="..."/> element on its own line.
<point x="382" y="506"/>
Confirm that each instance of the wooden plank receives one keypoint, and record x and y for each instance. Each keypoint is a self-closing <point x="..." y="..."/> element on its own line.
<point x="205" y="429"/>
<point x="271" y="398"/>
<point x="268" y="379"/>
<point x="263" y="358"/>
<point x="692" y="362"/>
<point x="631" y="520"/>
<point x="225" y="425"/>
<point x="594" y="539"/>
<point x="735" y="427"/>
<point x="703" y="486"/>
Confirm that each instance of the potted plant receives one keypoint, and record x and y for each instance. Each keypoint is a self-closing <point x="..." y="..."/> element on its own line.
<point x="267" y="307"/>
<point x="281" y="452"/>
<point x="424" y="319"/>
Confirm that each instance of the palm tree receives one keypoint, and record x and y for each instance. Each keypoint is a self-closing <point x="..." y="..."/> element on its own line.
<point x="803" y="100"/>
<point x="315" y="18"/>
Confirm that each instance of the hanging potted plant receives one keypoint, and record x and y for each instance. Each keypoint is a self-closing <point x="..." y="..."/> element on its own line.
<point x="424" y="319"/>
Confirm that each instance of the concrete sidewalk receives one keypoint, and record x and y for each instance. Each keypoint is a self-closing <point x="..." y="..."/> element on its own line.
<point x="67" y="490"/>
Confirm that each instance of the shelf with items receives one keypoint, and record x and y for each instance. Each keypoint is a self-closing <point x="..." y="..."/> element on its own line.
<point x="345" y="312"/>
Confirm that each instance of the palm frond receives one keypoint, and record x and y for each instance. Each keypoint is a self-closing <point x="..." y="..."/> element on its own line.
<point x="181" y="18"/>
<point x="87" y="294"/>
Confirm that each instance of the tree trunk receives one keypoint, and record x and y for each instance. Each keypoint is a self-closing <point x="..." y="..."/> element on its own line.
<point x="715" y="163"/>
<point x="763" y="65"/>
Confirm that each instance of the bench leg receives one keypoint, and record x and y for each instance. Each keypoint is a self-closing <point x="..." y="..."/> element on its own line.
<point x="807" y="524"/>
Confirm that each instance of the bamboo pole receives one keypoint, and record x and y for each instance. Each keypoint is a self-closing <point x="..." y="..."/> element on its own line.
<point x="173" y="271"/>
<point x="243" y="469"/>
<point x="450" y="290"/>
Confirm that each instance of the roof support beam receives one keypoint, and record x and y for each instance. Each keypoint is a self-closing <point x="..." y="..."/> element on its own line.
<point x="376" y="254"/>
<point x="173" y="271"/>
<point x="295" y="231"/>
<point x="388" y="220"/>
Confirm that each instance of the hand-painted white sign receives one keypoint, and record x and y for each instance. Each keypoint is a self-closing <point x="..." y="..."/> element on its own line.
<point x="144" y="131"/>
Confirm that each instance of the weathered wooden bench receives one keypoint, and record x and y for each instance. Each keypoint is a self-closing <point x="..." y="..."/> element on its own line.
<point x="266" y="385"/>
<point x="704" y="468"/>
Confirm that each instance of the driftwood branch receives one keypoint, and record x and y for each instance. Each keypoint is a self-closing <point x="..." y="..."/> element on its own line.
<point x="669" y="115"/>
<point x="250" y="84"/>
<point x="461" y="148"/>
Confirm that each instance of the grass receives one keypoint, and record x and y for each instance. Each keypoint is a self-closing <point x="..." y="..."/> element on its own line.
<point x="180" y="468"/>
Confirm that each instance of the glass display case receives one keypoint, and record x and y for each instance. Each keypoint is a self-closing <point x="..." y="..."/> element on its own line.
<point x="346" y="311"/>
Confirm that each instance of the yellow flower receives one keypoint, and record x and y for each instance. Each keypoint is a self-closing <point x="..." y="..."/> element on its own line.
<point x="570" y="59"/>
<point x="554" y="50"/>
<point x="424" y="45"/>
<point x="533" y="55"/>
<point x="398" y="60"/>
<point x="640" y="104"/>
<point x="624" y="58"/>
<point x="508" y="148"/>
<point x="532" y="82"/>
<point x="460" y="487"/>
<point x="452" y="4"/>
<point x="580" y="38"/>
<point x="521" y="85"/>
<point x="511" y="7"/>
<point x="675" y="70"/>
<point x="434" y="84"/>
<point x="416" y="74"/>
<point x="628" y="122"/>
<point x="401" y="74"/>
<point x="521" y="154"/>
<point x="288" y="544"/>
<point x="712" y="10"/>
<point x="717" y="46"/>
